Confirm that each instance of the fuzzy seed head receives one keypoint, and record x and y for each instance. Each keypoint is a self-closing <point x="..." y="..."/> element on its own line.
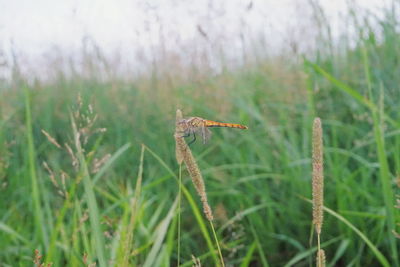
<point x="321" y="258"/>
<point x="183" y="153"/>
<point x="318" y="175"/>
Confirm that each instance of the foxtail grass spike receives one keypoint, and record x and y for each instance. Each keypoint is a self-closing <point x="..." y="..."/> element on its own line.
<point x="318" y="175"/>
<point x="183" y="153"/>
<point x="178" y="138"/>
<point x="321" y="258"/>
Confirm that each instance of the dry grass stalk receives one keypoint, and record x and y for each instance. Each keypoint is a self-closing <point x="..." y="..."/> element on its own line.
<point x="321" y="258"/>
<point x="183" y="153"/>
<point x="53" y="179"/>
<point x="38" y="260"/>
<point x="51" y="139"/>
<point x="85" y="261"/>
<point x="318" y="176"/>
<point x="75" y="162"/>
<point x="51" y="175"/>
<point x="98" y="163"/>
<point x="196" y="262"/>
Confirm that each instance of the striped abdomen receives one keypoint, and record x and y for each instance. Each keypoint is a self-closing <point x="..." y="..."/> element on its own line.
<point x="209" y="123"/>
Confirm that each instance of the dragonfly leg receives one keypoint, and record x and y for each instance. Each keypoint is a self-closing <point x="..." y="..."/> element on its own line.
<point x="194" y="139"/>
<point x="186" y="134"/>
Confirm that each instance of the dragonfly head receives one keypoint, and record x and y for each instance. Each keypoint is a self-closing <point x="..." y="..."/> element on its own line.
<point x="183" y="124"/>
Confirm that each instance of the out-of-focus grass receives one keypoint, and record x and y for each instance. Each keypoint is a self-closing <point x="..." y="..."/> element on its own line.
<point x="253" y="178"/>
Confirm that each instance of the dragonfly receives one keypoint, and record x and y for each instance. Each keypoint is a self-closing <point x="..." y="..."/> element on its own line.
<point x="196" y="125"/>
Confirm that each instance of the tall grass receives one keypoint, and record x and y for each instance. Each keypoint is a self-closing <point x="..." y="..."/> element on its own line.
<point x="124" y="210"/>
<point x="38" y="212"/>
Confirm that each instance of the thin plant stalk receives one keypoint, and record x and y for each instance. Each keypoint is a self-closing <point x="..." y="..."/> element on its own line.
<point x="216" y="241"/>
<point x="179" y="214"/>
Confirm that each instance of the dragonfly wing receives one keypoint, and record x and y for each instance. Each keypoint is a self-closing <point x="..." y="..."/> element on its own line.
<point x="206" y="134"/>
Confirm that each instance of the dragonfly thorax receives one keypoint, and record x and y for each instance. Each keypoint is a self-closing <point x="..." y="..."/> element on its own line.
<point x="192" y="122"/>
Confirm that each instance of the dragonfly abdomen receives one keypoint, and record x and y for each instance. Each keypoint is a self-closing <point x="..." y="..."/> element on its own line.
<point x="223" y="124"/>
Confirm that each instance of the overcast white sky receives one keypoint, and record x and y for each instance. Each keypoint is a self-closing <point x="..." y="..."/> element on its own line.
<point x="35" y="29"/>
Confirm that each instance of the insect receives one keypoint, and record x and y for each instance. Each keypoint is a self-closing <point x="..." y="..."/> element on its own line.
<point x="193" y="125"/>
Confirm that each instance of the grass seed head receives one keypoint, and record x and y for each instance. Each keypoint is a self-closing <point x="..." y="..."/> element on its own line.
<point x="318" y="175"/>
<point x="178" y="138"/>
<point x="321" y="258"/>
<point x="183" y="153"/>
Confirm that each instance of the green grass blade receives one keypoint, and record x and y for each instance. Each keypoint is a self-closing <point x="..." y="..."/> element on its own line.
<point x="160" y="236"/>
<point x="385" y="177"/>
<point x="94" y="215"/>
<point x="36" y="193"/>
<point x="342" y="86"/>
<point x="7" y="229"/>
<point x="352" y="92"/>
<point x="50" y="257"/>
<point x="195" y="209"/>
<point x="84" y="232"/>
<point x="306" y="253"/>
<point x="126" y="240"/>
<point x="382" y="259"/>
<point x="374" y="249"/>
<point x="339" y="252"/>
<point x="247" y="258"/>
<point x="259" y="248"/>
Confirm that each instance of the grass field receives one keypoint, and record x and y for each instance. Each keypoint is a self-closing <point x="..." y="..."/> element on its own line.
<point x="88" y="172"/>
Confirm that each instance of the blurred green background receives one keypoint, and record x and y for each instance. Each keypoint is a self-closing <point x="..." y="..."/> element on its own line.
<point x="80" y="203"/>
